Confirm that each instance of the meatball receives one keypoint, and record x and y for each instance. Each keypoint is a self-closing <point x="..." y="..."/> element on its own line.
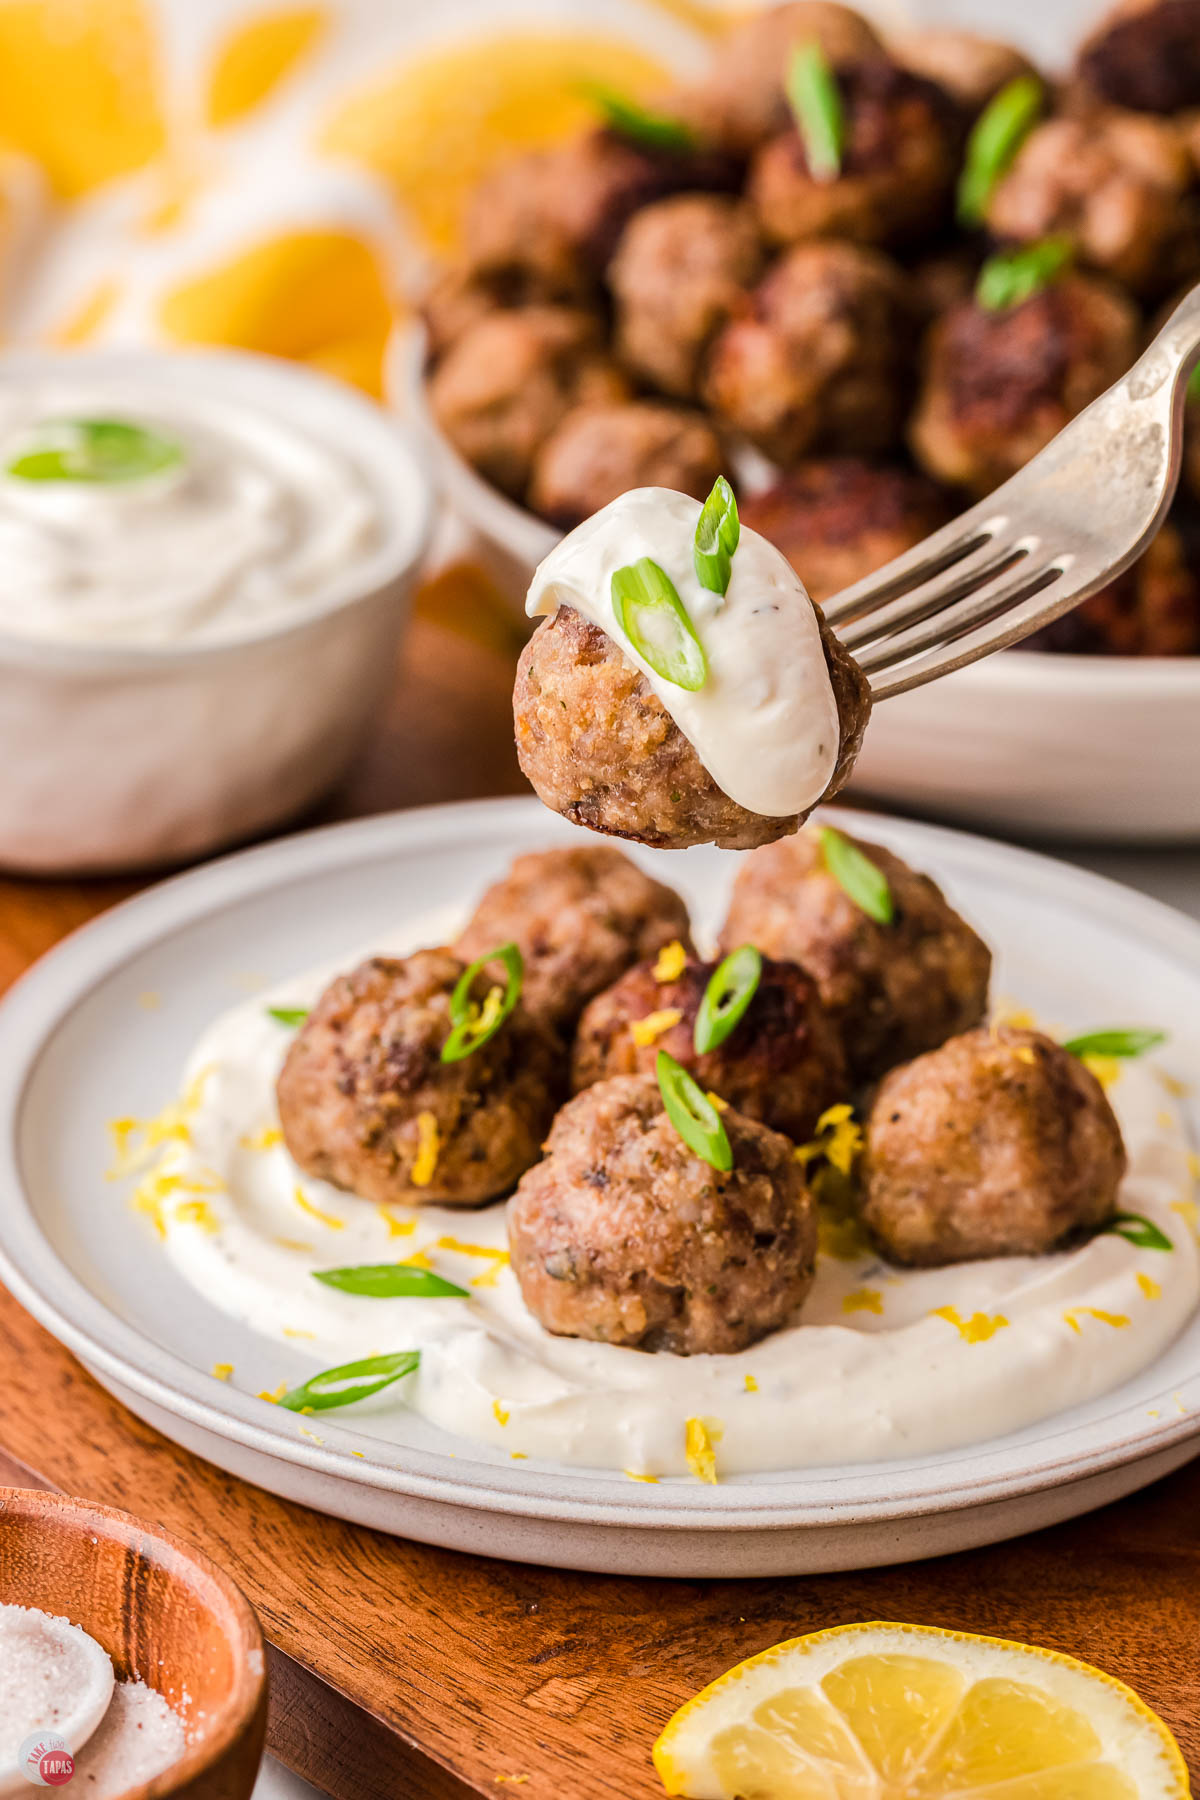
<point x="1146" y="55"/>
<point x="898" y="165"/>
<point x="1001" y="1143"/>
<point x="464" y="295"/>
<point x="971" y="69"/>
<point x="625" y="1236"/>
<point x="893" y="990"/>
<point x="1153" y="609"/>
<point x="1114" y="185"/>
<point x="505" y="383"/>
<point x="580" y="918"/>
<point x="598" y="452"/>
<point x="568" y="206"/>
<point x="839" y="520"/>
<point x="742" y="102"/>
<point x="366" y="1102"/>
<point x="782" y="1063"/>
<point x="823" y="359"/>
<point x="999" y="385"/>
<point x="681" y="270"/>
<point x="599" y="746"/>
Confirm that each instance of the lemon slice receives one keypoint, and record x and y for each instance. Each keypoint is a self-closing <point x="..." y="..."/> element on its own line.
<point x="908" y="1712"/>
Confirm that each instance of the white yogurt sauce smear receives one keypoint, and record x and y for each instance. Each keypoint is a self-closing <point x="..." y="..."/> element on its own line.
<point x="765" y="723"/>
<point x="258" y="520"/>
<point x="880" y="1363"/>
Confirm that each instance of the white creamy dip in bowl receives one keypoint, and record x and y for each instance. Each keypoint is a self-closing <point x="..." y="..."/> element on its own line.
<point x="198" y="617"/>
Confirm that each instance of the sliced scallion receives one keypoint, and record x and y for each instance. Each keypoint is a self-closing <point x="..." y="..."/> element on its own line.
<point x="1013" y="276"/>
<point x="472" y="1023"/>
<point x="997" y="135"/>
<point x="862" y="880"/>
<point x="390" y="1281"/>
<point x="732" y="986"/>
<point x="350" y="1382"/>
<point x="718" y="530"/>
<point x="98" y="451"/>
<point x="656" y="622"/>
<point x="291" y="1016"/>
<point x="1137" y="1230"/>
<point x="1115" y="1043"/>
<point x="640" y="124"/>
<point x="816" y="101"/>
<point x="693" y="1114"/>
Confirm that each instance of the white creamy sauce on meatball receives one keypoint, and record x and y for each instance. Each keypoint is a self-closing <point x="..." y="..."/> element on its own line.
<point x="249" y="517"/>
<point x="880" y="1362"/>
<point x="765" y="723"/>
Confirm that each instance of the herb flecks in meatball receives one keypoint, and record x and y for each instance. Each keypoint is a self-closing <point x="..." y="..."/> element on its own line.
<point x="1000" y="1143"/>
<point x="824" y="357"/>
<point x="598" y="745"/>
<point x="597" y="453"/>
<point x="508" y="380"/>
<point x="681" y="270"/>
<point x="782" y="1063"/>
<point x="899" y="161"/>
<point x="580" y="918"/>
<point x="999" y="385"/>
<point x="625" y="1236"/>
<point x="893" y="989"/>
<point x="366" y="1102"/>
<point x="839" y="520"/>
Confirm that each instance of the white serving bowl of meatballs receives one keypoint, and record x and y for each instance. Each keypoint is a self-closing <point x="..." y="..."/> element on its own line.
<point x="865" y="352"/>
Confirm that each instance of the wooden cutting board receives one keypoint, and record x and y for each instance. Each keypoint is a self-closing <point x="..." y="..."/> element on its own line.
<point x="399" y="1670"/>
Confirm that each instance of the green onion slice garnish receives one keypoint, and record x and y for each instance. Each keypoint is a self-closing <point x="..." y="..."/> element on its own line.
<point x="997" y="135"/>
<point x="390" y="1281"/>
<point x="732" y="986"/>
<point x="1012" y="276"/>
<point x="1115" y="1043"/>
<point x="1193" y="386"/>
<point x="1138" y="1230"/>
<point x="350" y="1382"/>
<point x="816" y="100"/>
<point x="718" y="530"/>
<point x="640" y="124"/>
<point x="291" y="1016"/>
<point x="864" y="881"/>
<point x="98" y="451"/>
<point x="693" y="1114"/>
<point x="473" y="1024"/>
<point x="656" y="622"/>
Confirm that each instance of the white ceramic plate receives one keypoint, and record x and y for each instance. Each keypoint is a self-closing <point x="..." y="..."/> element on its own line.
<point x="101" y="1029"/>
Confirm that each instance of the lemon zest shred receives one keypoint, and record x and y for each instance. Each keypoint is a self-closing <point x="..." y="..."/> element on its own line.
<point x="975" y="1330"/>
<point x="498" y="1259"/>
<point x="428" y="1149"/>
<point x="1174" y="1086"/>
<point x="701" y="1436"/>
<point x="1150" y="1288"/>
<point x="1164" y="1120"/>
<point x="839" y="1139"/>
<point x="500" y="1415"/>
<point x="396" y="1227"/>
<point x="645" y="1031"/>
<point x="1106" y="1069"/>
<point x="274" y="1395"/>
<point x="221" y="1371"/>
<point x="1118" y="1321"/>
<point x="751" y="1385"/>
<point x="287" y="1243"/>
<point x="361" y="1455"/>
<point x="314" y="1212"/>
<point x="266" y="1139"/>
<point x="1025" y="1053"/>
<point x="1193" y="1164"/>
<point x="292" y="1331"/>
<point x="672" y="961"/>
<point x="197" y="1212"/>
<point x="1189" y="1212"/>
<point x="519" y="1455"/>
<point x="632" y="1475"/>
<point x="863" y="1300"/>
<point x="305" y="1432"/>
<point x="716" y="1101"/>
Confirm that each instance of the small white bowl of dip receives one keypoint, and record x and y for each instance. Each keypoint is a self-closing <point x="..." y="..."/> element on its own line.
<point x="198" y="620"/>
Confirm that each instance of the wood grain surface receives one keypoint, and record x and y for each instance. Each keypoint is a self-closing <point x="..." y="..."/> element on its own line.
<point x="400" y="1670"/>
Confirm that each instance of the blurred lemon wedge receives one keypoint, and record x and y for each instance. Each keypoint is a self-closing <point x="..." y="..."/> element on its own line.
<point x="909" y="1712"/>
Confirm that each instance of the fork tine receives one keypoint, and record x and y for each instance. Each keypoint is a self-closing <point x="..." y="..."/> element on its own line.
<point x="932" y="557"/>
<point x="931" y="598"/>
<point x="956" y="620"/>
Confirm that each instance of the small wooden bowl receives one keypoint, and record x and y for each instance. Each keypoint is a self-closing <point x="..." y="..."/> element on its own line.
<point x="165" y="1614"/>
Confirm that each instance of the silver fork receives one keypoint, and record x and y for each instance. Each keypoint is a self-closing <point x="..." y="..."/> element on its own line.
<point x="1071" y="520"/>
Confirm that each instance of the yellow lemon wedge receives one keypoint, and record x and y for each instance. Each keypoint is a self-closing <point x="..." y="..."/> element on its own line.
<point x="910" y="1712"/>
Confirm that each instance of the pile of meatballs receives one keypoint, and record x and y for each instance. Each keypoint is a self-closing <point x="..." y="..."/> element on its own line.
<point x="977" y="1141"/>
<point x="629" y="313"/>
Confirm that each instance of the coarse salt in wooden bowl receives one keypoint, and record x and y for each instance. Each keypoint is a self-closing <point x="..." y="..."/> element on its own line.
<point x="165" y="1614"/>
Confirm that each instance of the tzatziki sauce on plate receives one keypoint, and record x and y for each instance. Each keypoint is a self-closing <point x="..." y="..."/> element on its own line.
<point x="144" y="511"/>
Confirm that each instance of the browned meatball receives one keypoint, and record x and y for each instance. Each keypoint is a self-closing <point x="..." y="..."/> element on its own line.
<point x="1145" y="55"/>
<point x="505" y="383"/>
<point x="823" y="360"/>
<point x="999" y="385"/>
<point x="742" y="102"/>
<point x="599" y="746"/>
<point x="463" y="295"/>
<point x="580" y="918"/>
<point x="599" y="452"/>
<point x="782" y="1063"/>
<point x="839" y="520"/>
<point x="1114" y="184"/>
<point x="1001" y="1143"/>
<point x="681" y="270"/>
<point x="893" y="990"/>
<point x="898" y="165"/>
<point x="570" y="204"/>
<point x="366" y="1102"/>
<point x="625" y="1236"/>
<point x="971" y="69"/>
<point x="1153" y="609"/>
